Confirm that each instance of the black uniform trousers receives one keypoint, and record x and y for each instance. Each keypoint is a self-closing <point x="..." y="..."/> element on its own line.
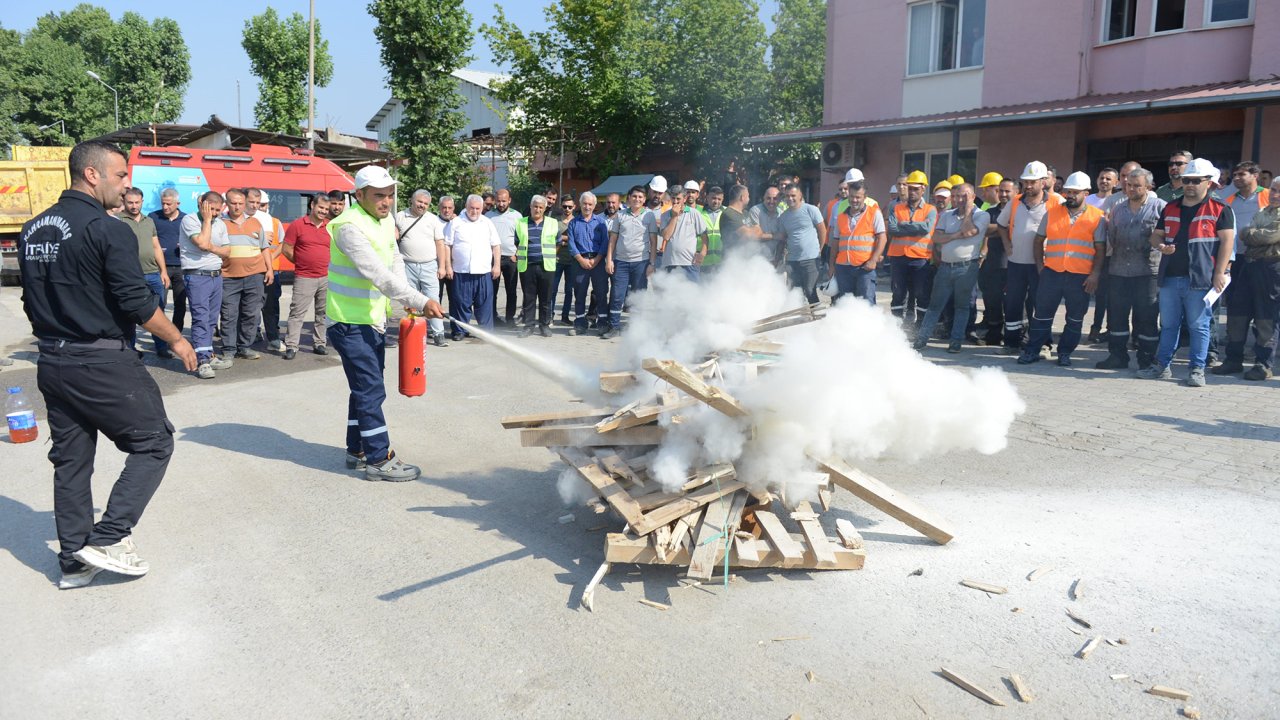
<point x="91" y="389"/>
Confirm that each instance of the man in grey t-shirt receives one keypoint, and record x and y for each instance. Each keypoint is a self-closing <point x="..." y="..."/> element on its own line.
<point x="805" y="232"/>
<point x="764" y="216"/>
<point x="1132" y="265"/>
<point x="504" y="219"/>
<point x="683" y="237"/>
<point x="203" y="243"/>
<point x="627" y="261"/>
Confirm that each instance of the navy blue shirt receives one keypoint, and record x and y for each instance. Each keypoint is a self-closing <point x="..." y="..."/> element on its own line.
<point x="535" y="241"/>
<point x="169" y="232"/>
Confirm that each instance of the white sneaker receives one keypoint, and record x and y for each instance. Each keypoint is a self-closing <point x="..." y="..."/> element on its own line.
<point x="205" y="372"/>
<point x="78" y="579"/>
<point x="122" y="557"/>
<point x="276" y="345"/>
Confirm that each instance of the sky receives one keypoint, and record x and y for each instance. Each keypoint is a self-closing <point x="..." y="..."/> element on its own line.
<point x="359" y="86"/>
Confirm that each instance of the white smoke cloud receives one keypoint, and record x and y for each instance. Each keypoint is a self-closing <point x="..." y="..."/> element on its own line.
<point x="848" y="385"/>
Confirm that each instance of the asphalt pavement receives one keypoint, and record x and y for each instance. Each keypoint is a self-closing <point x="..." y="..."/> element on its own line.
<point x="283" y="585"/>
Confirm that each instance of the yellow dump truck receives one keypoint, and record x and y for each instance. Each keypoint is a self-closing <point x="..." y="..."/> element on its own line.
<point x="29" y="184"/>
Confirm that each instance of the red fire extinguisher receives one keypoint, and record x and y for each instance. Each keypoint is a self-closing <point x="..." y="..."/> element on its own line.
<point x="413" y="355"/>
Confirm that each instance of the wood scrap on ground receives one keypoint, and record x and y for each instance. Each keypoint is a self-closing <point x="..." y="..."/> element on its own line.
<point x="1168" y="692"/>
<point x="972" y="689"/>
<point x="1020" y="688"/>
<point x="985" y="587"/>
<point x="712" y="518"/>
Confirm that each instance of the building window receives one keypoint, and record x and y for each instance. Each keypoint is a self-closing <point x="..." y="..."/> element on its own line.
<point x="936" y="164"/>
<point x="945" y="35"/>
<point x="1224" y="11"/>
<point x="1170" y="15"/>
<point x="1121" y="20"/>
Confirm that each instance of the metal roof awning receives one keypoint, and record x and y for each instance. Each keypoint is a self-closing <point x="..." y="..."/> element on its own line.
<point x="1196" y="97"/>
<point x="620" y="184"/>
<point x="348" y="157"/>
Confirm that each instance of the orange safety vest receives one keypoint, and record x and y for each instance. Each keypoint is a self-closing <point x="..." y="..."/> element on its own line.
<point x="1068" y="246"/>
<point x="1263" y="196"/>
<point x="912" y="247"/>
<point x="854" y="245"/>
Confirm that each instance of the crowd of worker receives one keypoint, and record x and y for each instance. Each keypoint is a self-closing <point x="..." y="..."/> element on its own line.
<point x="1143" y="257"/>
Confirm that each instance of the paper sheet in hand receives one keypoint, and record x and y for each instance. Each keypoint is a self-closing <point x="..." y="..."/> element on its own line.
<point x="1212" y="296"/>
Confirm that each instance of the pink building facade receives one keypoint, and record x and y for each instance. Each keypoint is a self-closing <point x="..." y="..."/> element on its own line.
<point x="973" y="86"/>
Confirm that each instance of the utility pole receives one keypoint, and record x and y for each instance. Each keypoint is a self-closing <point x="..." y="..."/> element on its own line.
<point x="311" y="81"/>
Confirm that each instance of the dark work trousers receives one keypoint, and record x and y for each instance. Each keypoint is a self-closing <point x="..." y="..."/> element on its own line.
<point x="598" y="279"/>
<point x="447" y="289"/>
<point x="908" y="278"/>
<point x="271" y="309"/>
<point x="241" y="302"/>
<point x="856" y="281"/>
<point x="1054" y="288"/>
<point x="473" y="293"/>
<point x="628" y="276"/>
<point x="508" y="274"/>
<point x="1239" y="298"/>
<point x="91" y="389"/>
<point x="364" y="356"/>
<point x="1264" y="281"/>
<point x="804" y="275"/>
<point x="178" y="286"/>
<point x="1021" y="285"/>
<point x="991" y="280"/>
<point x="535" y="288"/>
<point x="1100" y="304"/>
<point x="204" y="293"/>
<point x="1141" y="296"/>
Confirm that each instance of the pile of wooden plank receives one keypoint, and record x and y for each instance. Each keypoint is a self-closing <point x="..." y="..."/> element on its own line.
<point x="713" y="519"/>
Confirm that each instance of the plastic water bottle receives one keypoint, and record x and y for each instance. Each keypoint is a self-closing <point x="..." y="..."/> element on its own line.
<point x="21" y="416"/>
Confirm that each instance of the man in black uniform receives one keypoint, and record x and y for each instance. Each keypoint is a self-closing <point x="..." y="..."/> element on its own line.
<point x="83" y="290"/>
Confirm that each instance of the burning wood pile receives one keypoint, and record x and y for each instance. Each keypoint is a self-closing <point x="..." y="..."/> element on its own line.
<point x="713" y="519"/>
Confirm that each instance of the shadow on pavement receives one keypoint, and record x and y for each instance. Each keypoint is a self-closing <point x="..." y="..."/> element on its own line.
<point x="523" y="506"/>
<point x="266" y="442"/>
<point x="1218" y="428"/>
<point x="26" y="534"/>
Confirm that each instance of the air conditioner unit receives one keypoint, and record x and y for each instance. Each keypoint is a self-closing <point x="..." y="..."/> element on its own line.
<point x="844" y="154"/>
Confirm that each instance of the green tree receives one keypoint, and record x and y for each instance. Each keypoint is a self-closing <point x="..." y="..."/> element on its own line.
<point x="278" y="50"/>
<point x="44" y="77"/>
<point x="798" y="54"/>
<point x="423" y="42"/>
<point x="585" y="81"/>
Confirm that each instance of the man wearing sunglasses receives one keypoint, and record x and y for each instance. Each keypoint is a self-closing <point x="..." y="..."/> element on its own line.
<point x="1195" y="239"/>
<point x="1172" y="190"/>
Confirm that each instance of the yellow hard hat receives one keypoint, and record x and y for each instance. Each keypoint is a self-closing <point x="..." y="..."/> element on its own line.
<point x="955" y="180"/>
<point x="943" y="185"/>
<point x="991" y="179"/>
<point x="917" y="178"/>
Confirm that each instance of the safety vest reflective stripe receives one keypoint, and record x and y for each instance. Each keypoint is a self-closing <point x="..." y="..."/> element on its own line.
<point x="855" y="245"/>
<point x="715" y="247"/>
<point x="918" y="246"/>
<point x="352" y="298"/>
<point x="550" y="231"/>
<point x="1069" y="246"/>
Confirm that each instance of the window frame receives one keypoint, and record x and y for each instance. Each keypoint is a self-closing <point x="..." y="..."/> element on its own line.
<point x="1247" y="20"/>
<point x="1104" y="23"/>
<point x="928" y="161"/>
<point x="935" y="18"/>
<point x="1155" y="13"/>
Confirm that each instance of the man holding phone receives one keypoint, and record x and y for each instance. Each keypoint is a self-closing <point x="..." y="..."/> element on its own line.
<point x="202" y="245"/>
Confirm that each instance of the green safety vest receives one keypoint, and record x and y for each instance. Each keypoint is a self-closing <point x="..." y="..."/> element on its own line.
<point x="352" y="298"/>
<point x="550" y="233"/>
<point x="715" y="248"/>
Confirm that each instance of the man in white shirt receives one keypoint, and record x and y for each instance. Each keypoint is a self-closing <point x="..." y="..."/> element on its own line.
<point x="504" y="219"/>
<point x="420" y="236"/>
<point x="475" y="262"/>
<point x="1019" y="222"/>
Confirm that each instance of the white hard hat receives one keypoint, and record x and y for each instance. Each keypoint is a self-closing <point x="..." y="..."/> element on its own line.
<point x="375" y="177"/>
<point x="1200" y="168"/>
<point x="854" y="175"/>
<point x="1035" y="170"/>
<point x="692" y="185"/>
<point x="263" y="197"/>
<point x="658" y="184"/>
<point x="942" y="191"/>
<point x="1077" y="181"/>
<point x="893" y="189"/>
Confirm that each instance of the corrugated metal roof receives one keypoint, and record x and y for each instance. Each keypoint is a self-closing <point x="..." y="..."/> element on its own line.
<point x="475" y="77"/>
<point x="1167" y="100"/>
<point x="620" y="184"/>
